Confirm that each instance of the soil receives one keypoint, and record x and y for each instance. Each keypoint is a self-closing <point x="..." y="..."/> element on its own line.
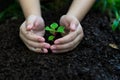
<point x="92" y="59"/>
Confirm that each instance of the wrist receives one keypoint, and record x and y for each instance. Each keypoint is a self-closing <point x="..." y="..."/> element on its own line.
<point x="33" y="15"/>
<point x="73" y="15"/>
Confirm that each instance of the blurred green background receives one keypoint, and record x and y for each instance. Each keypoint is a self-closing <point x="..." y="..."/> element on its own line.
<point x="111" y="8"/>
<point x="9" y="8"/>
<point x="12" y="9"/>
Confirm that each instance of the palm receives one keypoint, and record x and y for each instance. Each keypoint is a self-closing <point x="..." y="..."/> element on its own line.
<point x="38" y="25"/>
<point x="38" y="32"/>
<point x="67" y="21"/>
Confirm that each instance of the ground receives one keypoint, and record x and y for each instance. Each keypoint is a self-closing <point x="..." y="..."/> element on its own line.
<point x="92" y="59"/>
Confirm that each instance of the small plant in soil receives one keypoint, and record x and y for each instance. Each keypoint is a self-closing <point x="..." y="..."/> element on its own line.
<point x="54" y="29"/>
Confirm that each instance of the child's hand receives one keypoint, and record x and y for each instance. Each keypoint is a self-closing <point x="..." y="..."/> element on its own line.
<point x="32" y="32"/>
<point x="72" y="37"/>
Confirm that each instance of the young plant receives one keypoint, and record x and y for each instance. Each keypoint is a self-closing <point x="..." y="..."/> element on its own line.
<point x="54" y="28"/>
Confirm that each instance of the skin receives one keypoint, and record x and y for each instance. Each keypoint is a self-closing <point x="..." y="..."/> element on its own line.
<point x="71" y="38"/>
<point x="32" y="36"/>
<point x="32" y="29"/>
<point x="34" y="24"/>
<point x="71" y="21"/>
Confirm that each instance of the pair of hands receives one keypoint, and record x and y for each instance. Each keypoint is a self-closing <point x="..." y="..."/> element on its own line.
<point x="32" y="31"/>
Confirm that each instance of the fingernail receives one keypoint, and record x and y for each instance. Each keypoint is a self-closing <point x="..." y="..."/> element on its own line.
<point x="29" y="26"/>
<point x="53" y="47"/>
<point x="47" y="46"/>
<point x="45" y="51"/>
<point x="56" y="42"/>
<point x="41" y="39"/>
<point x="73" y="26"/>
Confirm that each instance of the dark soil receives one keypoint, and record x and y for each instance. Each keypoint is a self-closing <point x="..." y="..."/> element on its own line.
<point x="93" y="59"/>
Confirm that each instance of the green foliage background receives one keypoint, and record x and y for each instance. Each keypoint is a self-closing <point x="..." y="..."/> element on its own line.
<point x="111" y="7"/>
<point x="12" y="11"/>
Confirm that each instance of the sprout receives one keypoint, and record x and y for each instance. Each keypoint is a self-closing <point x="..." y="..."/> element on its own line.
<point x="53" y="29"/>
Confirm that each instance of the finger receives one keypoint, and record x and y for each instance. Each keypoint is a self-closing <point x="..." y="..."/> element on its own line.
<point x="38" y="25"/>
<point x="64" y="50"/>
<point x="45" y="50"/>
<point x="38" y="50"/>
<point x="68" y="45"/>
<point x="29" y="27"/>
<point x="30" y="22"/>
<point x="64" y="22"/>
<point x="38" y="45"/>
<point x="29" y="35"/>
<point x="73" y="27"/>
<point x="66" y="39"/>
<point x="35" y="44"/>
<point x="70" y="37"/>
<point x="70" y="22"/>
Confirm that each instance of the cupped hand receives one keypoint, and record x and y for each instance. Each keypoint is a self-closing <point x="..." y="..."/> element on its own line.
<point x="32" y="32"/>
<point x="72" y="36"/>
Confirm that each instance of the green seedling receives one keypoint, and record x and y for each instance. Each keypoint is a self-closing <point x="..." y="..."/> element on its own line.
<point x="54" y="28"/>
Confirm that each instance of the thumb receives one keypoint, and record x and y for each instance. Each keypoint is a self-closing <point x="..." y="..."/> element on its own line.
<point x="73" y="27"/>
<point x="38" y="25"/>
<point x="30" y="22"/>
<point x="29" y="26"/>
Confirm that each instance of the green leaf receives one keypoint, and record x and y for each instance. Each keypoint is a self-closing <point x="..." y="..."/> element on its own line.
<point x="54" y="25"/>
<point x="115" y="25"/>
<point x="52" y="32"/>
<point x="50" y="38"/>
<point x="61" y="29"/>
<point x="117" y="14"/>
<point x="47" y="28"/>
